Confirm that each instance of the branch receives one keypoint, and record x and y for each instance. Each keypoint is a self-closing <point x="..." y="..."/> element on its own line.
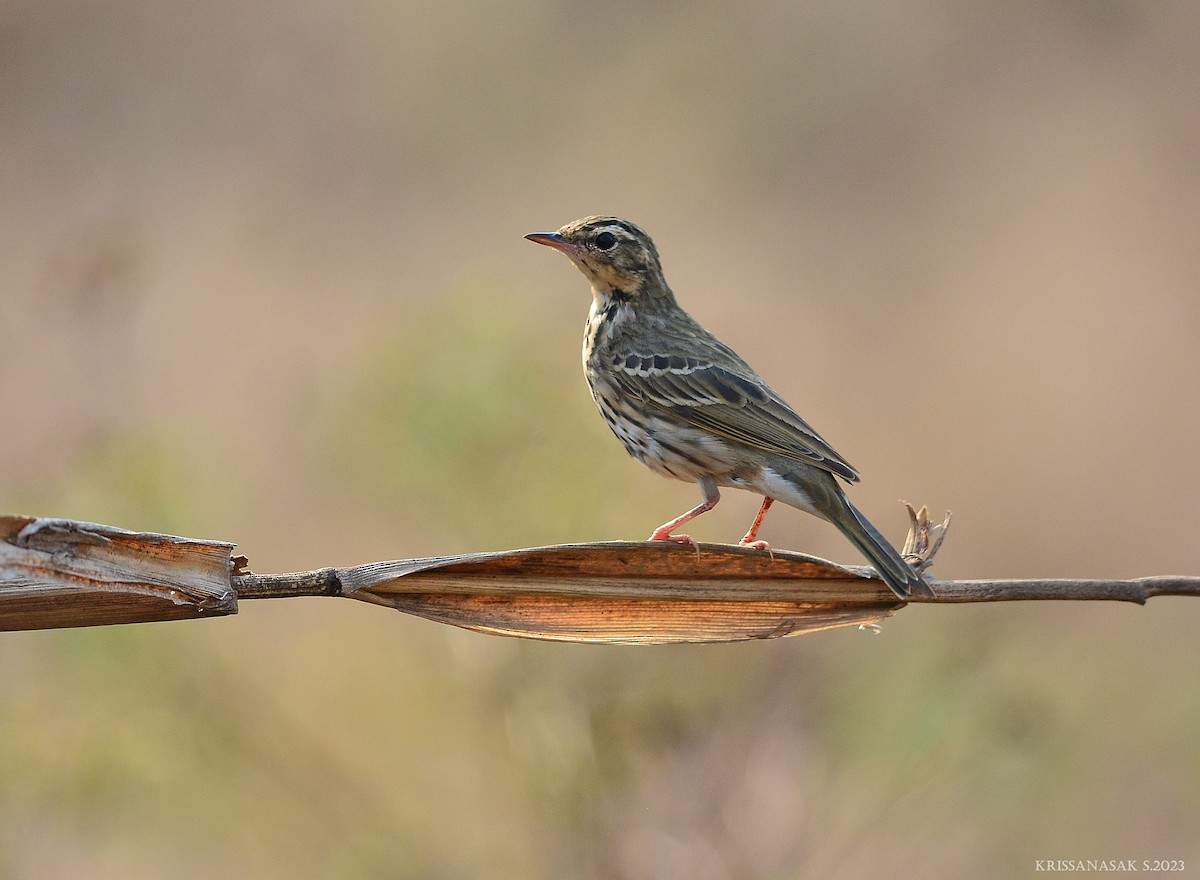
<point x="1137" y="590"/>
<point x="56" y="573"/>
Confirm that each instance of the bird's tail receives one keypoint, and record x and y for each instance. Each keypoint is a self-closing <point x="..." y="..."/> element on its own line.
<point x="896" y="573"/>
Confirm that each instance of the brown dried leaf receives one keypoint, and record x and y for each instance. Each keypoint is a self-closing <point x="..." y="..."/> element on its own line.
<point x="628" y="592"/>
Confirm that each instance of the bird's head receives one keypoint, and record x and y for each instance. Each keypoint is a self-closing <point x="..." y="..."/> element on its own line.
<point x="616" y="256"/>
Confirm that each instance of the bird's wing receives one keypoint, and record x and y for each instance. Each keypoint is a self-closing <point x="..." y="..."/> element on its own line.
<point x="729" y="401"/>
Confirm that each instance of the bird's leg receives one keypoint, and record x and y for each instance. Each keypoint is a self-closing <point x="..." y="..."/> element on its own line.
<point x="663" y="532"/>
<point x="711" y="497"/>
<point x="750" y="540"/>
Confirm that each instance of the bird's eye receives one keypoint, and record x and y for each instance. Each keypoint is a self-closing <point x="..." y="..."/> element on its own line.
<point x="606" y="241"/>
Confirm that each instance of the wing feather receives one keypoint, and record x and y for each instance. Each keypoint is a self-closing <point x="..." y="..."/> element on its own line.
<point x="731" y="403"/>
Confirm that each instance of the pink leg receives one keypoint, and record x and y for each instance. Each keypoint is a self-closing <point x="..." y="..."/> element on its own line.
<point x="750" y="539"/>
<point x="663" y="532"/>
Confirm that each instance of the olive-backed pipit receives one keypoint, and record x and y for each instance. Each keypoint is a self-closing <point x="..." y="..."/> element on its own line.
<point x="686" y="406"/>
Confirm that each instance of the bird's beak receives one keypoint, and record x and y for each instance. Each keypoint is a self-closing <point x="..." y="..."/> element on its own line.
<point x="551" y="239"/>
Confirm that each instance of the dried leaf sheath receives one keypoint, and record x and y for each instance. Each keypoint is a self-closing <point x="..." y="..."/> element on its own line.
<point x="628" y="593"/>
<point x="57" y="572"/>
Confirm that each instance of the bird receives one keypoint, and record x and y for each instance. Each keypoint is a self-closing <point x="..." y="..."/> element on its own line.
<point x="690" y="408"/>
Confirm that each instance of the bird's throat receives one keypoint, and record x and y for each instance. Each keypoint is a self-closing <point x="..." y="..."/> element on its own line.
<point x="610" y="311"/>
<point x="610" y="306"/>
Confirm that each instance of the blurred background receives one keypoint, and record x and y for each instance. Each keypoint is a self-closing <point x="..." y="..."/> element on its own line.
<point x="263" y="281"/>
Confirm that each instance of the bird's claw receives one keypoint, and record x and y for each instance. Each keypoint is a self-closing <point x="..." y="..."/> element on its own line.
<point x="663" y="535"/>
<point x="756" y="545"/>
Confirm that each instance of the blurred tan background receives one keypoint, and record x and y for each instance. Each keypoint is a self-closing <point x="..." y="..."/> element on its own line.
<point x="263" y="281"/>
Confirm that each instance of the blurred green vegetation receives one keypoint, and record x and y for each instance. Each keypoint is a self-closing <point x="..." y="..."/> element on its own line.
<point x="264" y="282"/>
<point x="141" y="481"/>
<point x="462" y="413"/>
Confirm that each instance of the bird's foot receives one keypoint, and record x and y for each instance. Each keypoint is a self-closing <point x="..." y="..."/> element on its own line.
<point x="663" y="533"/>
<point x="750" y="542"/>
<point x="751" y="537"/>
